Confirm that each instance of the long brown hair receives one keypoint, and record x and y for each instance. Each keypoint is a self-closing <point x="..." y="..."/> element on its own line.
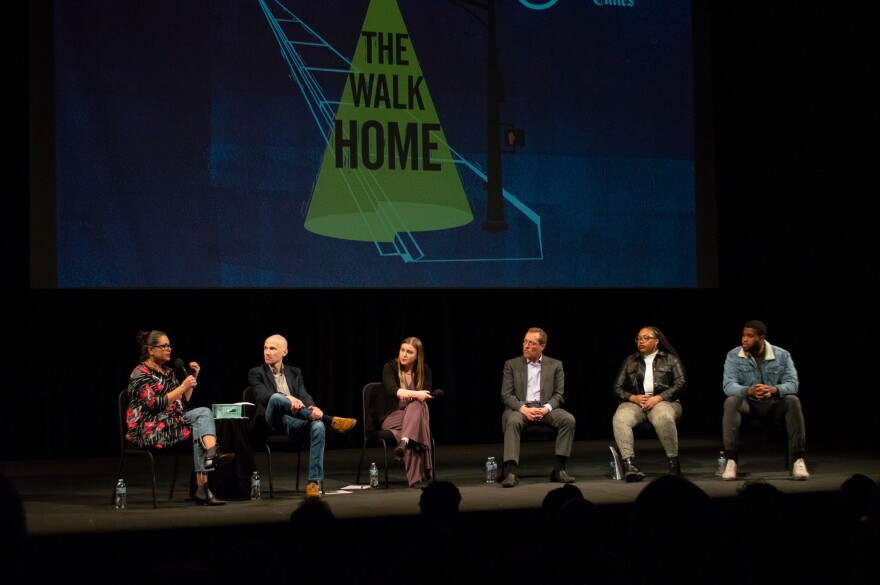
<point x="419" y="366"/>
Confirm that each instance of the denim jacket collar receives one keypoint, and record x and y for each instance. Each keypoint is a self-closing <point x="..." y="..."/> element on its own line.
<point x="768" y="352"/>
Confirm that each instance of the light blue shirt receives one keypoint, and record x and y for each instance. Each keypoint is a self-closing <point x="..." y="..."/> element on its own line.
<point x="533" y="387"/>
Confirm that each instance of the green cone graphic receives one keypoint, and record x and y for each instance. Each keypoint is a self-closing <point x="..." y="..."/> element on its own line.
<point x="387" y="167"/>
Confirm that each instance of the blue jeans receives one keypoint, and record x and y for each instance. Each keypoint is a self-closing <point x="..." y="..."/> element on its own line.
<point x="202" y="420"/>
<point x="281" y="420"/>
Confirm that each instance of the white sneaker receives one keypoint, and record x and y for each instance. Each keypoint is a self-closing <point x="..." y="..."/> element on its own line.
<point x="799" y="470"/>
<point x="729" y="470"/>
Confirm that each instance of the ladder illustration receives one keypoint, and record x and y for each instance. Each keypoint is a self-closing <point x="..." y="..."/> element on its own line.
<point x="318" y="69"/>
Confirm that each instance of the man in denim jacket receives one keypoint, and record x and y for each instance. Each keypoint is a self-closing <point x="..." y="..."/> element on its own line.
<point x="761" y="380"/>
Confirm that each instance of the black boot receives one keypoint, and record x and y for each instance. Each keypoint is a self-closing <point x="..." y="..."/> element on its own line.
<point x="214" y="458"/>
<point x="631" y="473"/>
<point x="399" y="450"/>
<point x="204" y="497"/>
<point x="674" y="467"/>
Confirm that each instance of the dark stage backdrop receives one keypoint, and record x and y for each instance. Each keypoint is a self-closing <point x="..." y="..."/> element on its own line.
<point x="79" y="351"/>
<point x="794" y="101"/>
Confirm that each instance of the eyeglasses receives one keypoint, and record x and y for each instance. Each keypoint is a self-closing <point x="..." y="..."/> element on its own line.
<point x="530" y="343"/>
<point x="166" y="347"/>
<point x="645" y="338"/>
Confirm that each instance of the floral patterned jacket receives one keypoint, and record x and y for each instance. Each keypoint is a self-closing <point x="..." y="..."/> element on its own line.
<point x="152" y="421"/>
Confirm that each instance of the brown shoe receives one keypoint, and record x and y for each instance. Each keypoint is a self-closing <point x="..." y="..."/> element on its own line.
<point x="312" y="490"/>
<point x="343" y="425"/>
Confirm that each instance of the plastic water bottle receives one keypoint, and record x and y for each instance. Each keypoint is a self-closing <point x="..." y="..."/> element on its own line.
<point x="491" y="470"/>
<point x="374" y="476"/>
<point x="121" y="495"/>
<point x="722" y="463"/>
<point x="255" y="486"/>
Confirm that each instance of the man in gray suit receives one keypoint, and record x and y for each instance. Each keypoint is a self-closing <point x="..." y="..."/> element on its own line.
<point x="532" y="392"/>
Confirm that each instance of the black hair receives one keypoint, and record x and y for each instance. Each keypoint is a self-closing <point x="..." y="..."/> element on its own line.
<point x="440" y="499"/>
<point x="758" y="326"/>
<point x="664" y="343"/>
<point x="146" y="340"/>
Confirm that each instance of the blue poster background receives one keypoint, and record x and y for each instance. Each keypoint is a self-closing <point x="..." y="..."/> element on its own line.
<point x="186" y="155"/>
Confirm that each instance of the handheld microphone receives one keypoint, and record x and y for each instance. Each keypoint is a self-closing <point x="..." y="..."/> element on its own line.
<point x="436" y="393"/>
<point x="184" y="371"/>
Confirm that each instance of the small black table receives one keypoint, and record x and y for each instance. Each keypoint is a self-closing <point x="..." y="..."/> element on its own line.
<point x="233" y="481"/>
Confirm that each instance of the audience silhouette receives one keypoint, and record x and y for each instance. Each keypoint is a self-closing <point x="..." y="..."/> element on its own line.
<point x="13" y="532"/>
<point x="439" y="549"/>
<point x="576" y="538"/>
<point x="853" y="537"/>
<point x="759" y="543"/>
<point x="439" y="502"/>
<point x="670" y="537"/>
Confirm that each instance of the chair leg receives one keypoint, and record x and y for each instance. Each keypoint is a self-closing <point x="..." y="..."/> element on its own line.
<point x="153" y="471"/>
<point x="357" y="480"/>
<point x="174" y="475"/>
<point x="433" y="459"/>
<point x="385" y="448"/>
<point x="269" y="458"/>
<point x="298" y="464"/>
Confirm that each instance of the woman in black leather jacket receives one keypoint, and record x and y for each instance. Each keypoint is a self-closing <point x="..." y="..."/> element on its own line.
<point x="653" y="397"/>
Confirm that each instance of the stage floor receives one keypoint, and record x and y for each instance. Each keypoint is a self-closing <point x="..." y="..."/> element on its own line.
<point x="71" y="521"/>
<point x="73" y="496"/>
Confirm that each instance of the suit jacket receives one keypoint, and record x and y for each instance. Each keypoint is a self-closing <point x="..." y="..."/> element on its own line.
<point x="516" y="378"/>
<point x="262" y="381"/>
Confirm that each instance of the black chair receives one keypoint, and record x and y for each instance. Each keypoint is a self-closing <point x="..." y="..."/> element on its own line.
<point x="374" y="433"/>
<point x="129" y="448"/>
<point x="535" y="432"/>
<point x="538" y="431"/>
<point x="772" y="432"/>
<point x="277" y="441"/>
